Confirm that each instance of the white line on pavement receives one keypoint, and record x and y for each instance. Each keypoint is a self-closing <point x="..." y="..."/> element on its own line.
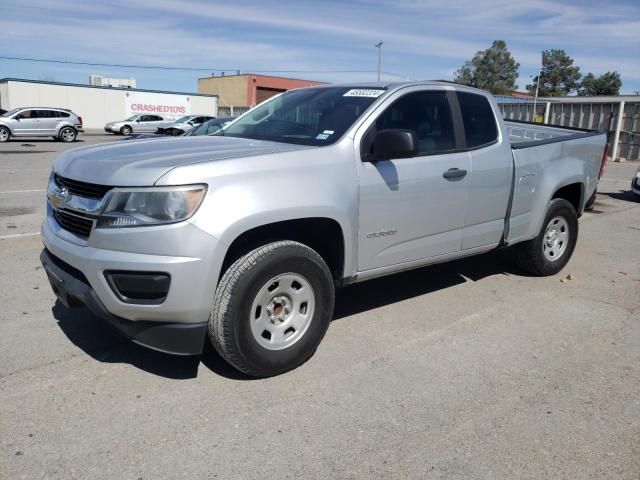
<point x="614" y="180"/>
<point x="4" y="237"/>
<point x="21" y="191"/>
<point x="18" y="169"/>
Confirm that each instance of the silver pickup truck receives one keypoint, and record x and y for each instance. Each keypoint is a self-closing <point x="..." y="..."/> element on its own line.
<point x="242" y="237"/>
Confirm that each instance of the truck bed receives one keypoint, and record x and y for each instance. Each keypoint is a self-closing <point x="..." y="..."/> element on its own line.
<point x="545" y="157"/>
<point x="529" y="134"/>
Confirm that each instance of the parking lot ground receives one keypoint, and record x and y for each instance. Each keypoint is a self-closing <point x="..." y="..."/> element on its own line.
<point x="464" y="370"/>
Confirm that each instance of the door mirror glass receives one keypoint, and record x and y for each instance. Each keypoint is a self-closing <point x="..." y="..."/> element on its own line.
<point x="394" y="143"/>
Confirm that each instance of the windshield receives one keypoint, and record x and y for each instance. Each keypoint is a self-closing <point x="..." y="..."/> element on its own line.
<point x="10" y="112"/>
<point x="183" y="119"/>
<point x="310" y="116"/>
<point x="131" y="118"/>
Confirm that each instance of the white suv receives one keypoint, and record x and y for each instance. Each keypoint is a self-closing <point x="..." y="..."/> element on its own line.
<point x="59" y="123"/>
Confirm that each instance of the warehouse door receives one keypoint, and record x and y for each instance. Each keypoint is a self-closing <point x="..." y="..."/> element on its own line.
<point x="262" y="93"/>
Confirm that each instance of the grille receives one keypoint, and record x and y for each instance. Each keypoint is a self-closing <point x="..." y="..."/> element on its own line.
<point x="82" y="189"/>
<point x="77" y="225"/>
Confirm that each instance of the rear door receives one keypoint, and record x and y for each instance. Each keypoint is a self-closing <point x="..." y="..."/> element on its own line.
<point x="48" y="121"/>
<point x="412" y="208"/>
<point x="149" y="123"/>
<point x="490" y="177"/>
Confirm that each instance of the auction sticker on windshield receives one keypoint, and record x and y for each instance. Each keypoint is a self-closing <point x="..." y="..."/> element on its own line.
<point x="363" y="93"/>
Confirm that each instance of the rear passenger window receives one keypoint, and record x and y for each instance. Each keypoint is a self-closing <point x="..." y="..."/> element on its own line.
<point x="427" y="114"/>
<point x="479" y="122"/>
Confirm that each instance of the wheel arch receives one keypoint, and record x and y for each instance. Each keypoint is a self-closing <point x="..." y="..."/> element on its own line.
<point x="323" y="234"/>
<point x="572" y="193"/>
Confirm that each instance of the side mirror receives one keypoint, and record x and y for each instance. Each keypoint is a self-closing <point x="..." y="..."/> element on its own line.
<point x="396" y="143"/>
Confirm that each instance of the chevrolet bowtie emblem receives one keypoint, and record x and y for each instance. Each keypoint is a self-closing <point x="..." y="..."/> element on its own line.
<point x="58" y="197"/>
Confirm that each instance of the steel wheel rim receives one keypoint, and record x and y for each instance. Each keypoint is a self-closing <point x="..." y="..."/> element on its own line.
<point x="282" y="311"/>
<point x="67" y="135"/>
<point x="556" y="239"/>
<point x="4" y="135"/>
<point x="126" y="131"/>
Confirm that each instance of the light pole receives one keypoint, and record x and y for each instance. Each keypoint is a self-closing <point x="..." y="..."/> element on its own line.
<point x="535" y="98"/>
<point x="379" y="47"/>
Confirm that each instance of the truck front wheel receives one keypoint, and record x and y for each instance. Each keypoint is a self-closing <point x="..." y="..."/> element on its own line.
<point x="272" y="308"/>
<point x="550" y="251"/>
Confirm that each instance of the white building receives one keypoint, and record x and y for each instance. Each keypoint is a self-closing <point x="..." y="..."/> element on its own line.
<point x="99" y="105"/>
<point x="100" y="81"/>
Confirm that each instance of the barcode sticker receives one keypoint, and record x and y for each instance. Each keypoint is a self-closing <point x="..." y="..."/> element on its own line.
<point x="358" y="92"/>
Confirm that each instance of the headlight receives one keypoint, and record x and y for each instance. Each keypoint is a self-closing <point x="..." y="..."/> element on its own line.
<point x="136" y="207"/>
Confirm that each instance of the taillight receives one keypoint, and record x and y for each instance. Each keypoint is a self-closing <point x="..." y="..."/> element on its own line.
<point x="80" y="120"/>
<point x="605" y="158"/>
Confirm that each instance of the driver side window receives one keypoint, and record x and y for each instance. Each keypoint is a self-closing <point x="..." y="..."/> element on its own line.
<point x="25" y="114"/>
<point x="427" y="114"/>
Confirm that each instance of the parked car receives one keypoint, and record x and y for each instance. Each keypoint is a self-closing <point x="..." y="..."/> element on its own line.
<point x="208" y="128"/>
<point x="184" y="125"/>
<point x="59" y="123"/>
<point x="635" y="184"/>
<point x="137" y="124"/>
<point x="243" y="236"/>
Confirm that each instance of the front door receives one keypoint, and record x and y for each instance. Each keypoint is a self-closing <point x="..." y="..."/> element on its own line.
<point x="413" y="208"/>
<point x="26" y="123"/>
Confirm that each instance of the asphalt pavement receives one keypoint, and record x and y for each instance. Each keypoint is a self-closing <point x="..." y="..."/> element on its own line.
<point x="467" y="370"/>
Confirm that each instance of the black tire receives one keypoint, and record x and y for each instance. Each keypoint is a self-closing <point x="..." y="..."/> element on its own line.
<point x="5" y="134"/>
<point x="126" y="130"/>
<point x="529" y="255"/>
<point x="229" y="322"/>
<point x="591" y="202"/>
<point x="67" y="135"/>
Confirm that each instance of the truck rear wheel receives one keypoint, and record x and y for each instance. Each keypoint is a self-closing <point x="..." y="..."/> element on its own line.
<point x="272" y="308"/>
<point x="550" y="251"/>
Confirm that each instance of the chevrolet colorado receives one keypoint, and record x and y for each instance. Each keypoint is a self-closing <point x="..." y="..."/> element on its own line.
<point x="242" y="237"/>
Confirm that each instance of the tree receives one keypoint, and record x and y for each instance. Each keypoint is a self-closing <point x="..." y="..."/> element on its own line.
<point x="493" y="69"/>
<point x="558" y="75"/>
<point x="606" y="84"/>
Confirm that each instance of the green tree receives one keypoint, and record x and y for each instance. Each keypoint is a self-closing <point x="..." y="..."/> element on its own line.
<point x="558" y="75"/>
<point x="493" y="69"/>
<point x="606" y="84"/>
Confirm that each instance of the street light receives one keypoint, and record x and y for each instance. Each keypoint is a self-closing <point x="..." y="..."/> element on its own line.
<point x="379" y="47"/>
<point x="535" y="98"/>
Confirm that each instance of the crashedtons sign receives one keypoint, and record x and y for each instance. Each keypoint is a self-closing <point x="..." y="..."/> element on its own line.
<point x="167" y="106"/>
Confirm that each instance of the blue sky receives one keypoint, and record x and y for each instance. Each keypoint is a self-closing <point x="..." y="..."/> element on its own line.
<point x="423" y="39"/>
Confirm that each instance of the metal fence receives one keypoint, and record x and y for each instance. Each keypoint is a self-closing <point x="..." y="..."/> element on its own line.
<point x="623" y="130"/>
<point x="231" y="111"/>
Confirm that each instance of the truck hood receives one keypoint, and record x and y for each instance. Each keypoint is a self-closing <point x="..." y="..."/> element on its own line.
<point x="143" y="162"/>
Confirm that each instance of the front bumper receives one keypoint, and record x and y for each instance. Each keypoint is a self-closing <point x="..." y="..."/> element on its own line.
<point x="193" y="268"/>
<point x="73" y="289"/>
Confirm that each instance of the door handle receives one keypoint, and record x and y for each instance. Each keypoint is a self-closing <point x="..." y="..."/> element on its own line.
<point x="454" y="173"/>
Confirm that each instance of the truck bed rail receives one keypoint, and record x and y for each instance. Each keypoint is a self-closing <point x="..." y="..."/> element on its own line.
<point x="529" y="134"/>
